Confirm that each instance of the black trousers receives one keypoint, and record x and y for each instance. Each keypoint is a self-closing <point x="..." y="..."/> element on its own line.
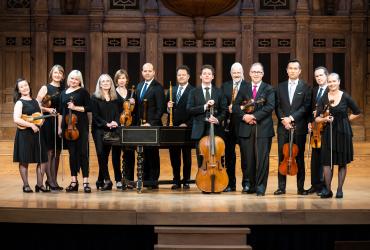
<point x="128" y="155"/>
<point x="300" y="140"/>
<point x="175" y="157"/>
<point x="317" y="177"/>
<point x="151" y="164"/>
<point x="255" y="161"/>
<point x="102" y="153"/>
<point x="79" y="154"/>
<point x="230" y="157"/>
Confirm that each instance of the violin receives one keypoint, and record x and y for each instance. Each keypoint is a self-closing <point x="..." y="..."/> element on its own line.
<point x="249" y="105"/>
<point x="211" y="176"/>
<point x="317" y="128"/>
<point x="126" y="118"/>
<point x="36" y="118"/>
<point x="46" y="101"/>
<point x="290" y="151"/>
<point x="71" y="133"/>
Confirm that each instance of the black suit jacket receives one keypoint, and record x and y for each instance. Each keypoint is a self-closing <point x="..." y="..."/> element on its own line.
<point x="195" y="107"/>
<point x="262" y="112"/>
<point x="155" y="103"/>
<point x="227" y="89"/>
<point x="179" y="112"/>
<point x="300" y="109"/>
<point x="313" y="100"/>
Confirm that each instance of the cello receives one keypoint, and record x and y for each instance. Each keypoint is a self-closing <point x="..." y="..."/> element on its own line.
<point x="290" y="151"/>
<point x="71" y="133"/>
<point x="126" y="118"/>
<point x="211" y="176"/>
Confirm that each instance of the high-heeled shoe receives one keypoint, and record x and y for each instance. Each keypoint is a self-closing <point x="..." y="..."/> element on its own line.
<point x="71" y="187"/>
<point x="50" y="187"/>
<point x="41" y="188"/>
<point x="27" y="189"/>
<point x="339" y="194"/>
<point x="87" y="188"/>
<point x="99" y="184"/>
<point x="107" y="185"/>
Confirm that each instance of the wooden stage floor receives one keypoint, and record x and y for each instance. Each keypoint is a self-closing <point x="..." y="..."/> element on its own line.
<point x="167" y="207"/>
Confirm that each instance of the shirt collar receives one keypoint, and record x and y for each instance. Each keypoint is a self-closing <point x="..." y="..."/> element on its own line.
<point x="293" y="81"/>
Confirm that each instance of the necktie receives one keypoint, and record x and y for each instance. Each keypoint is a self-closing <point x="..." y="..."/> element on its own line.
<point x="291" y="93"/>
<point x="178" y="96"/>
<point x="254" y="91"/>
<point x="143" y="91"/>
<point x="319" y="95"/>
<point x="235" y="91"/>
<point x="208" y="96"/>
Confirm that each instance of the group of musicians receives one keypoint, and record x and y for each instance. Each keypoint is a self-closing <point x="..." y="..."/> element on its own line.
<point x="241" y="114"/>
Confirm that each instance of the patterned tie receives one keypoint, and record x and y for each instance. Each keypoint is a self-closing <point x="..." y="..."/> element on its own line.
<point x="254" y="91"/>
<point x="143" y="91"/>
<point x="319" y="95"/>
<point x="178" y="96"/>
<point x="208" y="96"/>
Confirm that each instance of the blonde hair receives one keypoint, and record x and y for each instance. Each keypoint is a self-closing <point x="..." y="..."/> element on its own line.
<point x="59" y="68"/>
<point x="112" y="90"/>
<point x="77" y="74"/>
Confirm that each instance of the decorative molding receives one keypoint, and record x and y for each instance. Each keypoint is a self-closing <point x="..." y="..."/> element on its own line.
<point x="189" y="43"/>
<point x="339" y="43"/>
<point x="18" y="4"/>
<point x="26" y="41"/>
<point x="169" y="42"/>
<point x="78" y="42"/>
<point x="274" y="4"/>
<point x="59" y="41"/>
<point x="319" y="42"/>
<point x="114" y="42"/>
<point x="228" y="42"/>
<point x="124" y="4"/>
<point x="11" y="41"/>
<point x="264" y="43"/>
<point x="133" y="42"/>
<point x="284" y="43"/>
<point x="209" y="43"/>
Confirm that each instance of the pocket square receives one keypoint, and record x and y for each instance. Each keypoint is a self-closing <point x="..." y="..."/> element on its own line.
<point x="300" y="93"/>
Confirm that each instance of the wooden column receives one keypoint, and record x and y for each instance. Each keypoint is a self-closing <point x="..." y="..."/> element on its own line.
<point x="96" y="48"/>
<point x="247" y="33"/>
<point x="151" y="40"/>
<point x="302" y="37"/>
<point x="358" y="57"/>
<point x="39" y="58"/>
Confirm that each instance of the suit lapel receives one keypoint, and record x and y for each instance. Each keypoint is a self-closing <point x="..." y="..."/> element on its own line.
<point x="298" y="90"/>
<point x="260" y="90"/>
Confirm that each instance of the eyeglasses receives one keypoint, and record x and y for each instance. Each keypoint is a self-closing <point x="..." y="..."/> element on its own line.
<point x="256" y="72"/>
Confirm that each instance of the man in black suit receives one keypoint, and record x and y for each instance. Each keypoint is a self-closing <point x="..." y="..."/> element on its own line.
<point x="293" y="104"/>
<point x="181" y="118"/>
<point x="317" y="178"/>
<point x="151" y="91"/>
<point x="231" y="90"/>
<point x="199" y="102"/>
<point x="256" y="131"/>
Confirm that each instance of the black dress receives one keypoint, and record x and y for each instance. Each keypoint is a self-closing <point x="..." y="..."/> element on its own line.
<point x="29" y="146"/>
<point x="342" y="131"/>
<point x="48" y="128"/>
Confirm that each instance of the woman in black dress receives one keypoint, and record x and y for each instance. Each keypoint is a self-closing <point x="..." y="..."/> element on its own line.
<point x="29" y="144"/>
<point x="339" y="136"/>
<point x="49" y="97"/>
<point x="75" y="100"/>
<point x="123" y="94"/>
<point x="105" y="118"/>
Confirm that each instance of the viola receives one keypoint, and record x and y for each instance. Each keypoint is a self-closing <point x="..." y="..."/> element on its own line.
<point x="36" y="118"/>
<point x="71" y="133"/>
<point x="211" y="176"/>
<point x="290" y="151"/>
<point x="46" y="101"/>
<point x="249" y="105"/>
<point x="317" y="128"/>
<point x="126" y="117"/>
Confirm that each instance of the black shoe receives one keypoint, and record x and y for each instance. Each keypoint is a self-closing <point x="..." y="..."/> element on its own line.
<point x="50" y="187"/>
<point x="99" y="184"/>
<point x="260" y="194"/>
<point x="311" y="190"/>
<point x="87" y="188"/>
<point x="176" y="186"/>
<point x="41" y="188"/>
<point x="279" y="192"/>
<point x="186" y="186"/>
<point x="107" y="185"/>
<point x="73" y="187"/>
<point x="27" y="189"/>
<point x="327" y="194"/>
<point x="302" y="192"/>
<point x="339" y="194"/>
<point x="229" y="189"/>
